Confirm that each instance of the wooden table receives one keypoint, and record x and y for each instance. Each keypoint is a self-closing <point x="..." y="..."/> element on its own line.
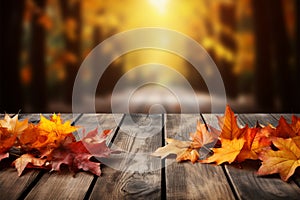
<point x="134" y="174"/>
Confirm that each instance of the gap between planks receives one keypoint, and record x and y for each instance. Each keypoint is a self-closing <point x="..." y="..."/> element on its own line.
<point x="228" y="178"/>
<point x="93" y="183"/>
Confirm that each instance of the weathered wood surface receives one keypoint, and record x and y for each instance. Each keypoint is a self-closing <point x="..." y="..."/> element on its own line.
<point x="243" y="176"/>
<point x="134" y="174"/>
<point x="187" y="180"/>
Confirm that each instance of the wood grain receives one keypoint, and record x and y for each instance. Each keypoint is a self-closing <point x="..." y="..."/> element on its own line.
<point x="187" y="180"/>
<point x="133" y="174"/>
<point x="243" y="176"/>
<point x="62" y="185"/>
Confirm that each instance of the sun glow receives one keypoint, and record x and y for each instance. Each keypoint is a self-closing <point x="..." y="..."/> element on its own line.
<point x="160" y="5"/>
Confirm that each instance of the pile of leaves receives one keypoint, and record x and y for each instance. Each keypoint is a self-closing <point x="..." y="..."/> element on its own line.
<point x="277" y="147"/>
<point x="51" y="143"/>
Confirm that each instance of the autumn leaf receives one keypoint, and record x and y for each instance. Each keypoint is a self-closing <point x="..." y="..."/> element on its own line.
<point x="7" y="140"/>
<point x="283" y="161"/>
<point x="25" y="159"/>
<point x="186" y="150"/>
<point x="95" y="143"/>
<point x="13" y="125"/>
<point x="173" y="147"/>
<point x="284" y="130"/>
<point x="229" y="126"/>
<point x="231" y="138"/>
<point x="10" y="128"/>
<point x="227" y="153"/>
<point x="55" y="124"/>
<point x="202" y="136"/>
<point x="296" y="124"/>
<point x="189" y="154"/>
<point x="82" y="161"/>
<point x="29" y="136"/>
<point x="52" y="132"/>
<point x="256" y="140"/>
<point x="77" y="154"/>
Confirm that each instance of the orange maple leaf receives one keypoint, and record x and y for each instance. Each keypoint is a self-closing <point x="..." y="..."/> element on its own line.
<point x="29" y="136"/>
<point x="231" y="137"/>
<point x="202" y="136"/>
<point x="229" y="126"/>
<point x="52" y="132"/>
<point x="7" y="140"/>
<point x="227" y="153"/>
<point x="256" y="140"/>
<point x="283" y="161"/>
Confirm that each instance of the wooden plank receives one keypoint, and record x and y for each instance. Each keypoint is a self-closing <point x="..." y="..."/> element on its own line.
<point x="8" y="176"/>
<point x="288" y="117"/>
<point x="133" y="174"/>
<point x="62" y="185"/>
<point x="243" y="176"/>
<point x="192" y="181"/>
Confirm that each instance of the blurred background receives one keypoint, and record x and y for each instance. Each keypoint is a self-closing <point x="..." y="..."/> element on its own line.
<point x="254" y="43"/>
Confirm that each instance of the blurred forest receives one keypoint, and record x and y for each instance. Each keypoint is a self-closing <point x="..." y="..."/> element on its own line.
<point x="254" y="43"/>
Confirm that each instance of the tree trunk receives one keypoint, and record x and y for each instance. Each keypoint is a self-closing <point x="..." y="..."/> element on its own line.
<point x="295" y="90"/>
<point x="228" y="21"/>
<point x="10" y="37"/>
<point x="281" y="53"/>
<point x="263" y="71"/>
<point x="71" y="12"/>
<point x="37" y="59"/>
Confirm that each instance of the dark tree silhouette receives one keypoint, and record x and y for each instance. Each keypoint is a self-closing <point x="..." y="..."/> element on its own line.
<point x="10" y="37"/>
<point x="263" y="72"/>
<point x="296" y="98"/>
<point x="71" y="10"/>
<point x="281" y="53"/>
<point x="272" y="54"/>
<point x="228" y="21"/>
<point x="38" y="89"/>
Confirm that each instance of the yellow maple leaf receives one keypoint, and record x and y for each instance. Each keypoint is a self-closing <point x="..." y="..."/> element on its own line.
<point x="227" y="153"/>
<point x="283" y="161"/>
<point x="53" y="131"/>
